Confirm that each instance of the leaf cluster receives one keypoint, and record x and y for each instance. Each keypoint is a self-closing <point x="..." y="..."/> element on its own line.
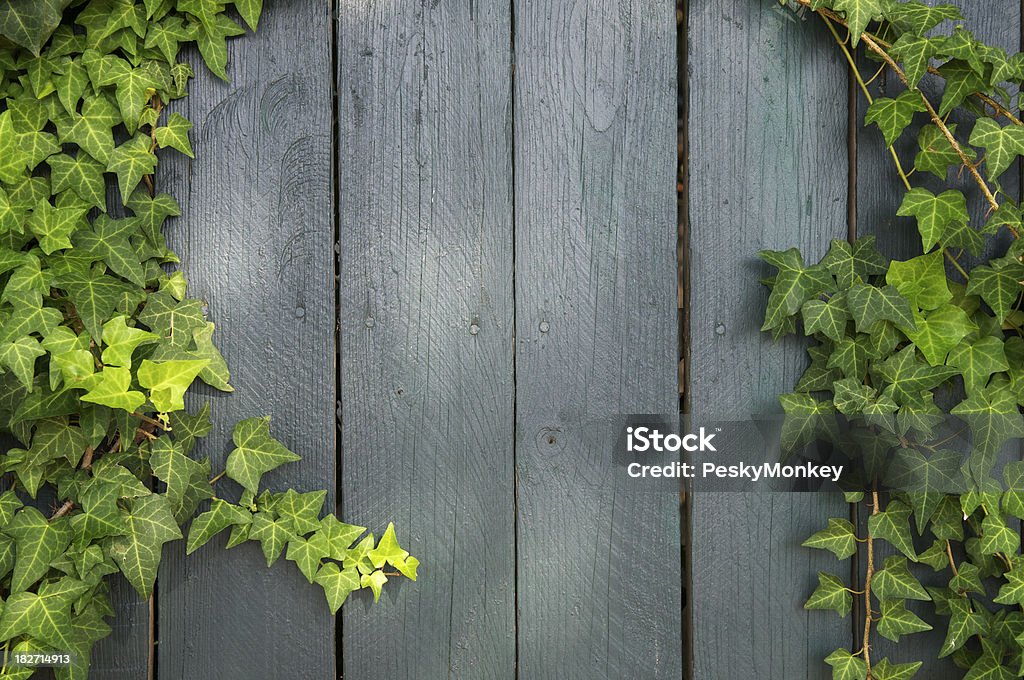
<point x="99" y="340"/>
<point x="917" y="366"/>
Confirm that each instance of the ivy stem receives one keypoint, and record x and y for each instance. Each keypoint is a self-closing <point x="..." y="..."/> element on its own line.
<point x="956" y="265"/>
<point x="952" y="562"/>
<point x="62" y="510"/>
<point x="152" y="421"/>
<point x="869" y="573"/>
<point x="218" y="477"/>
<point x="864" y="88"/>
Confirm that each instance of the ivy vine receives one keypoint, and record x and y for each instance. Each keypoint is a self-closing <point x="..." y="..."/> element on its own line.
<point x="99" y="341"/>
<point x="905" y="351"/>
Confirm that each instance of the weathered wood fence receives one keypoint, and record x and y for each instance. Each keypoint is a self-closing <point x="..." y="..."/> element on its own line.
<point x="438" y="239"/>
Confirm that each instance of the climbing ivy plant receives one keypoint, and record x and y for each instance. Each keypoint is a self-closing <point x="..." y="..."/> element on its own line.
<point x="99" y="341"/>
<point x="913" y="355"/>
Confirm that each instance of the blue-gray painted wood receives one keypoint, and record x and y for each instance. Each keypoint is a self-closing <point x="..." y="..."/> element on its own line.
<point x="425" y="228"/>
<point x="596" y="334"/>
<point x="767" y="169"/>
<point x="879" y="192"/>
<point x="256" y="240"/>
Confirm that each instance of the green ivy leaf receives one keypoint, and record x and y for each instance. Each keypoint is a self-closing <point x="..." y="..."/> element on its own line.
<point x="300" y="510"/>
<point x="175" y="134"/>
<point x="908" y="376"/>
<point x="998" y="285"/>
<point x="993" y="417"/>
<point x="962" y="80"/>
<point x="859" y="14"/>
<point x="1002" y="144"/>
<point x="918" y="18"/>
<point x="936" y="155"/>
<point x="977" y="361"/>
<point x="868" y="305"/>
<point x="939" y="331"/>
<point x="337" y="584"/>
<point x="112" y="387"/>
<point x="46" y="616"/>
<point x="989" y="667"/>
<point x="937" y="216"/>
<point x="967" y="579"/>
<point x="93" y="129"/>
<point x="375" y="581"/>
<point x="188" y="480"/>
<point x="893" y="115"/>
<point x="137" y="553"/>
<point x="190" y="427"/>
<point x="895" y="582"/>
<point x="826" y="317"/>
<point x="81" y="174"/>
<point x="851" y="356"/>
<point x="921" y="280"/>
<point x="38" y="543"/>
<point x="220" y="516"/>
<point x="256" y="453"/>
<point x="896" y="620"/>
<point x="884" y="670"/>
<point x="273" y="534"/>
<point x="996" y="537"/>
<point x="893" y="525"/>
<point x="915" y="51"/>
<point x="963" y="623"/>
<point x="306" y="554"/>
<point x="831" y="594"/>
<point x="846" y="666"/>
<point x="130" y="162"/>
<point x="807" y="420"/>
<point x="19" y="356"/>
<point x="927" y="478"/>
<point x="121" y="341"/>
<point x="30" y="23"/>
<point x="108" y="239"/>
<point x="853" y="263"/>
<point x="794" y="285"/>
<point x="95" y="295"/>
<point x="54" y="226"/>
<point x="1012" y="592"/>
<point x="335" y="537"/>
<point x="167" y="381"/>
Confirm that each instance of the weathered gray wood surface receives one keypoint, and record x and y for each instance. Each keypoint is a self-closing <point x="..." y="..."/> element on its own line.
<point x="879" y="192"/>
<point x="425" y="208"/>
<point x="598" y="565"/>
<point x="767" y="130"/>
<point x="256" y="239"/>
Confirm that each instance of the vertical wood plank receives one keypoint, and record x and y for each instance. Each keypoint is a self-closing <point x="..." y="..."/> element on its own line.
<point x="879" y="194"/>
<point x="425" y="187"/>
<point x="598" y="565"/>
<point x="256" y="241"/>
<point x="767" y="169"/>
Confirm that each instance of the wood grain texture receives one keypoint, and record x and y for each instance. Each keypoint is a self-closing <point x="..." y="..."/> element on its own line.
<point x="879" y="192"/>
<point x="767" y="169"/>
<point x="596" y="335"/>
<point x="425" y="205"/>
<point x="256" y="241"/>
